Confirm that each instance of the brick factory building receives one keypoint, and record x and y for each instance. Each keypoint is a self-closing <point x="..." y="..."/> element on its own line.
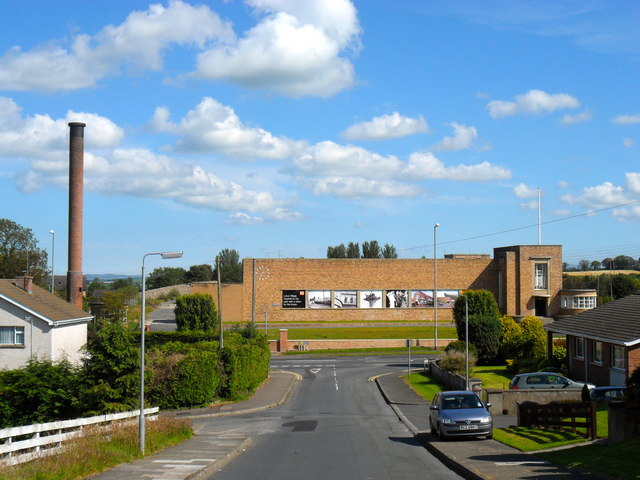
<point x="525" y="279"/>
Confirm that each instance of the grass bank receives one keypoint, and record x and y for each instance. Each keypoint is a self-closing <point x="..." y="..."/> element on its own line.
<point x="351" y="333"/>
<point x="86" y="456"/>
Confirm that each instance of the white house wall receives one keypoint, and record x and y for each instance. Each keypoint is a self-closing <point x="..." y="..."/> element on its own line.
<point x="67" y="340"/>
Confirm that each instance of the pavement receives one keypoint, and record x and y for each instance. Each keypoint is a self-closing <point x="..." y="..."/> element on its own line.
<point x="205" y="453"/>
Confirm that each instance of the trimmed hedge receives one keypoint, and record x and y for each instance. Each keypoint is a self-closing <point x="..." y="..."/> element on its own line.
<point x="246" y="364"/>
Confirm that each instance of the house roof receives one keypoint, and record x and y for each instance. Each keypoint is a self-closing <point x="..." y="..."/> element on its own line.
<point x="616" y="322"/>
<point x="42" y="304"/>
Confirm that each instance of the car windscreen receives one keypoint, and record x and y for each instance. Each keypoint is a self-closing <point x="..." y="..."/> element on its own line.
<point x="453" y="402"/>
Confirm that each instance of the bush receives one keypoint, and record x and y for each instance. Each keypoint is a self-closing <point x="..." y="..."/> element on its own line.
<point x="246" y="363"/>
<point x="509" y="338"/>
<point x="41" y="391"/>
<point x="196" y="312"/>
<point x="484" y="322"/>
<point x="461" y="346"/>
<point x="455" y="361"/>
<point x="535" y="337"/>
<point x="184" y="375"/>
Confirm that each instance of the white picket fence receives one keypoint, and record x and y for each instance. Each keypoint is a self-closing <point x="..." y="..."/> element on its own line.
<point x="21" y="444"/>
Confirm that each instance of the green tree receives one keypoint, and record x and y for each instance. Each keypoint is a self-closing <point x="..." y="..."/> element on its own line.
<point x="200" y="273"/>
<point x="230" y="266"/>
<point x="389" y="251"/>
<point x="534" y="341"/>
<point x="625" y="262"/>
<point x="595" y="265"/>
<point x="94" y="285"/>
<point x="339" y="251"/>
<point x="484" y="322"/>
<point x="623" y="285"/>
<point x="110" y="375"/>
<point x="371" y="249"/>
<point x="584" y="265"/>
<point x="510" y="338"/>
<point x="353" y="250"/>
<point x="19" y="252"/>
<point x="166" y="277"/>
<point x="119" y="283"/>
<point x="196" y="312"/>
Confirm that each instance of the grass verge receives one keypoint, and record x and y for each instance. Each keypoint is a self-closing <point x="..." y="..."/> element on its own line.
<point x="93" y="454"/>
<point x="423" y="384"/>
<point x="530" y="439"/>
<point x="349" y="333"/>
<point x="618" y="461"/>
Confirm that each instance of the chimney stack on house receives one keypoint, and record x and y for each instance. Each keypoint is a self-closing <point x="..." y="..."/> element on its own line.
<point x="25" y="282"/>
<point x="76" y="178"/>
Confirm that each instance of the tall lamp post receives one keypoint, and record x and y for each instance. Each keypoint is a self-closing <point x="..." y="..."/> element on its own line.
<point x="435" y="287"/>
<point x="53" y="244"/>
<point x="141" y="423"/>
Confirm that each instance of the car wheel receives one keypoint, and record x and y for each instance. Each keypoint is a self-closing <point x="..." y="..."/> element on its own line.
<point x="433" y="430"/>
<point x="441" y="434"/>
<point x="489" y="436"/>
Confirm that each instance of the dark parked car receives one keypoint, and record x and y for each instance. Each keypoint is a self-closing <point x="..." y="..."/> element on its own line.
<point x="460" y="413"/>
<point x="606" y="394"/>
<point x="524" y="381"/>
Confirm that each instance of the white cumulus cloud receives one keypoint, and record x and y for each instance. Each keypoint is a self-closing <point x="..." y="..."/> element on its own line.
<point x="296" y="49"/>
<point x="627" y="119"/>
<point x="535" y="102"/>
<point x="464" y="137"/>
<point x="386" y="127"/>
<point x="523" y="191"/>
<point x="568" y="119"/>
<point x="213" y="127"/>
<point x="137" y="44"/>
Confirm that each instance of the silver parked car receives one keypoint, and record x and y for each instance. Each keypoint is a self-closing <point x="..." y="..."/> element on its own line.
<point x="524" y="381"/>
<point x="460" y="413"/>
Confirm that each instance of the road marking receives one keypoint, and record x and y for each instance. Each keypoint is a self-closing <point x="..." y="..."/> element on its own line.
<point x="335" y="377"/>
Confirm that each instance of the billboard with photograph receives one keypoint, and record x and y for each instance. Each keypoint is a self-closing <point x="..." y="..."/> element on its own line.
<point x="345" y="299"/>
<point x="370" y="298"/>
<point x="421" y="298"/>
<point x="396" y="299"/>
<point x="446" y="298"/>
<point x="319" y="299"/>
<point x="293" y="299"/>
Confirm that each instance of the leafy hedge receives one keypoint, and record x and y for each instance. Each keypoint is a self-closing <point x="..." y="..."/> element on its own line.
<point x="183" y="369"/>
<point x="246" y="363"/>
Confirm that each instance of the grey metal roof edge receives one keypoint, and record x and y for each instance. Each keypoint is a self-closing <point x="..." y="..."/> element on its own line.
<point x="73" y="320"/>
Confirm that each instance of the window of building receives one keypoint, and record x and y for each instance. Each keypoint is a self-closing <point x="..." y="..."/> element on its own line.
<point x="578" y="302"/>
<point x="617" y="356"/>
<point x="579" y="347"/>
<point x="597" y="352"/>
<point x="11" y="335"/>
<point x="540" y="280"/>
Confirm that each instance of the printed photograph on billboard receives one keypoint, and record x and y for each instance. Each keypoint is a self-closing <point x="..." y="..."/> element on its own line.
<point x="370" y="298"/>
<point x="345" y="299"/>
<point x="446" y="298"/>
<point x="397" y="299"/>
<point x="319" y="299"/>
<point x="293" y="299"/>
<point x="421" y="298"/>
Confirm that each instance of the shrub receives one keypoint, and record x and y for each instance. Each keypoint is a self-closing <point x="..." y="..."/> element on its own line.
<point x="455" y="361"/>
<point x="535" y="337"/>
<point x="484" y="322"/>
<point x="41" y="391"/>
<point x="183" y="375"/>
<point x="509" y="338"/>
<point x="246" y="363"/>
<point x="196" y="312"/>
<point x="461" y="346"/>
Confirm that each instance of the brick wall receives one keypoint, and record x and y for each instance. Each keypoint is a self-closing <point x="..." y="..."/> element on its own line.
<point x="509" y="276"/>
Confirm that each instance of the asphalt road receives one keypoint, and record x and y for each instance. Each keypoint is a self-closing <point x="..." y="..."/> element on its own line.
<point x="335" y="425"/>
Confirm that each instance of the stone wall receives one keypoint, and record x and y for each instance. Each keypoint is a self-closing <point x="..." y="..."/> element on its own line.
<point x="504" y="402"/>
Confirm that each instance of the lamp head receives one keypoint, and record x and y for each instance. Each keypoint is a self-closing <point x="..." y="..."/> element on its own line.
<point x="436" y="225"/>
<point x="166" y="255"/>
<point x="52" y="232"/>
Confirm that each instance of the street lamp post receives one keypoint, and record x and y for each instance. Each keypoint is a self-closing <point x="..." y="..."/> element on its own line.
<point x="435" y="287"/>
<point x="141" y="422"/>
<point x="53" y="244"/>
<point x="266" y="323"/>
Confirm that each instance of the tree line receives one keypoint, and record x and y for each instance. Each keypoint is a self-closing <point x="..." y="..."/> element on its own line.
<point x="370" y="249"/>
<point x="621" y="262"/>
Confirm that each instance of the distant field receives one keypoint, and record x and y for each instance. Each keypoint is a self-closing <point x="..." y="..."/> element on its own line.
<point x="600" y="272"/>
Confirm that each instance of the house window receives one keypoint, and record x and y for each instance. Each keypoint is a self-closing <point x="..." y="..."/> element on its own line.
<point x="597" y="352"/>
<point x="579" y="302"/>
<point x="11" y="335"/>
<point x="617" y="356"/>
<point x="579" y="347"/>
<point x="540" y="280"/>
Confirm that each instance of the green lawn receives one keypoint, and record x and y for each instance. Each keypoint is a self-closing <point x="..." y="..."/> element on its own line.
<point x="350" y="333"/>
<point x="423" y="384"/>
<point x="618" y="461"/>
<point x="492" y="376"/>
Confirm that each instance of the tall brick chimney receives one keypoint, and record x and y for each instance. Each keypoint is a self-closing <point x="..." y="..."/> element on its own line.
<point x="76" y="178"/>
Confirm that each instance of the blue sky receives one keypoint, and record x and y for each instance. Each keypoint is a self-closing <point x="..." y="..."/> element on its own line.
<point x="279" y="127"/>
